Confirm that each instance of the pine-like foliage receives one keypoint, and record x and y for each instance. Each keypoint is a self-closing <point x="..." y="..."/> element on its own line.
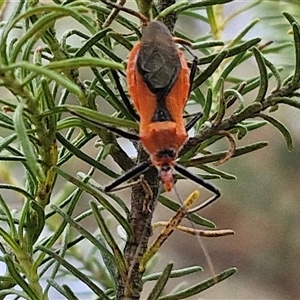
<point x="43" y="84"/>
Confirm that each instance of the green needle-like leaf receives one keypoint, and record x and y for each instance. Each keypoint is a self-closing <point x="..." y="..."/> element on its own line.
<point x="79" y="62"/>
<point x="68" y="295"/>
<point x="84" y="157"/>
<point x="172" y="8"/>
<point x="203" y="3"/>
<point x="285" y="132"/>
<point x="174" y="274"/>
<point x="39" y="223"/>
<point x="263" y="75"/>
<point x="95" y="117"/>
<point x="19" y="280"/>
<point x="91" y="41"/>
<point x="231" y="51"/>
<point x="21" y="295"/>
<point x="296" y="31"/>
<point x="210" y="69"/>
<point x="9" y="240"/>
<point x="41" y="70"/>
<point x="16" y="189"/>
<point x="25" y="142"/>
<point x="197" y="288"/>
<point x="96" y="194"/>
<point x="85" y="233"/>
<point x="119" y="258"/>
<point x="7" y="213"/>
<point x="161" y="282"/>
<point x="82" y="277"/>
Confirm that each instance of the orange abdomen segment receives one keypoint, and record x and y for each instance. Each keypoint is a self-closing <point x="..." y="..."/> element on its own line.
<point x="162" y="135"/>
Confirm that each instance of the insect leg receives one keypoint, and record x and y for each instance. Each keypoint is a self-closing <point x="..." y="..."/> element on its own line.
<point x="129" y="174"/>
<point x="193" y="72"/>
<point x="123" y="95"/>
<point x="116" y="130"/>
<point x="78" y="153"/>
<point x="185" y="172"/>
<point x="193" y="121"/>
<point x="120" y="132"/>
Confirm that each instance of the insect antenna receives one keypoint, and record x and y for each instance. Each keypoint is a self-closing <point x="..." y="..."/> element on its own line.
<point x="120" y="132"/>
<point x="185" y="172"/>
<point x="200" y="241"/>
<point x="143" y="166"/>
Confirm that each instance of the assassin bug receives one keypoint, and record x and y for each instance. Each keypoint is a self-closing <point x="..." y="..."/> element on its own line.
<point x="159" y="82"/>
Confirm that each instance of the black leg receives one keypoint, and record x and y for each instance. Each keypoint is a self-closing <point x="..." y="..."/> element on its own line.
<point x="185" y="172"/>
<point x="81" y="155"/>
<point x="120" y="132"/>
<point x="116" y="130"/>
<point x="193" y="121"/>
<point x="129" y="174"/>
<point x="123" y="95"/>
<point x="193" y="72"/>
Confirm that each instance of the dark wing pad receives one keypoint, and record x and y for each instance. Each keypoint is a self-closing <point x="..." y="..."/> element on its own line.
<point x="158" y="60"/>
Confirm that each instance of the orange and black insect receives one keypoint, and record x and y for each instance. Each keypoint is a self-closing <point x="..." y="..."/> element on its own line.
<point x="159" y="82"/>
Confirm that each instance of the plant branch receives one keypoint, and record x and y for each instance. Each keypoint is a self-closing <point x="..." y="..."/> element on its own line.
<point x="282" y="95"/>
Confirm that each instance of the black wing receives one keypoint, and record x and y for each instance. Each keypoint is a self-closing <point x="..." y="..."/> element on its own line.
<point x="158" y="60"/>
